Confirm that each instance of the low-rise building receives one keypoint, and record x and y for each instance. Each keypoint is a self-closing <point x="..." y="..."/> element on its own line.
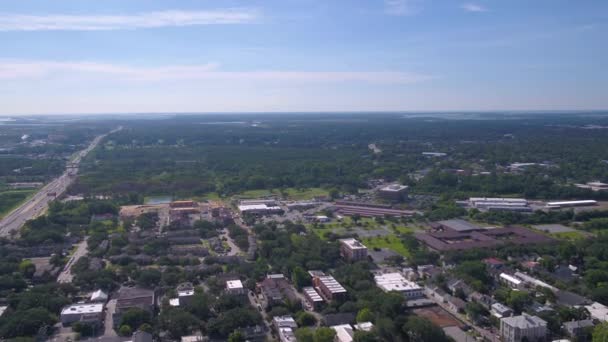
<point x="511" y="281"/>
<point x="91" y="313"/>
<point x="260" y="209"/>
<point x="598" y="311"/>
<point x="344" y="333"/>
<point x="235" y="287"/>
<point x="388" y="282"/>
<point x="327" y="286"/>
<point x="523" y="328"/>
<point x="133" y="297"/>
<point x="393" y="192"/>
<point x="314" y="300"/>
<point x="578" y="328"/>
<point x="352" y="250"/>
<point x="285" y="327"/>
<point x="276" y="289"/>
<point x="499" y="310"/>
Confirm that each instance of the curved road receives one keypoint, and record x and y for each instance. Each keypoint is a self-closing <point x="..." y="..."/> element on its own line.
<point x="38" y="204"/>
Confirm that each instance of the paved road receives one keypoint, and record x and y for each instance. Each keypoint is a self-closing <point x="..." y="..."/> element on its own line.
<point x="38" y="204"/>
<point x="66" y="275"/>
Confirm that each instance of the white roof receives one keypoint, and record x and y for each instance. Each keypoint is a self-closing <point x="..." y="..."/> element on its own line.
<point x="99" y="295"/>
<point x="234" y="284"/>
<point x="365" y="326"/>
<point x="598" y="311"/>
<point x="498" y="199"/>
<point x="192" y="338"/>
<point x="284" y="322"/>
<point x="82" y="309"/>
<point x="332" y="284"/>
<point x="174" y="302"/>
<point x="185" y="293"/>
<point x="534" y="281"/>
<point x="524" y="321"/>
<point x="572" y="202"/>
<point x="2" y="309"/>
<point x="510" y="278"/>
<point x="394" y="187"/>
<point x="312" y="294"/>
<point x="395" y="282"/>
<point x="344" y="332"/>
<point x="353" y="244"/>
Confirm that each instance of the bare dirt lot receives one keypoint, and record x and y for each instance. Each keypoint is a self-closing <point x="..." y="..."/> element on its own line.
<point x="438" y="316"/>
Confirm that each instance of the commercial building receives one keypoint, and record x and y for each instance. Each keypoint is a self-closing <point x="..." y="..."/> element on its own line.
<point x="327" y="286"/>
<point x="393" y="192"/>
<point x="314" y="300"/>
<point x="570" y="204"/>
<point x="91" y="313"/>
<point x="388" y="282"/>
<point x="235" y="287"/>
<point x="285" y="327"/>
<point x="259" y="209"/>
<point x="434" y="154"/>
<point x="455" y="225"/>
<point x="593" y="186"/>
<point x="182" y="204"/>
<point x="352" y="250"/>
<point x="524" y="327"/>
<point x="451" y="240"/>
<point x="350" y="208"/>
<point x="499" y="204"/>
<point x="533" y="282"/>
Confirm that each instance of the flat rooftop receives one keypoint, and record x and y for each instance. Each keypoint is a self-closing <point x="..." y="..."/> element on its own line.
<point x="394" y="188"/>
<point x="395" y="282"/>
<point x="82" y="309"/>
<point x="332" y="284"/>
<point x="353" y="244"/>
<point x="234" y="284"/>
<point x="312" y="294"/>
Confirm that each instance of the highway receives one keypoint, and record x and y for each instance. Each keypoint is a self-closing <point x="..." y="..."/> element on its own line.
<point x="38" y="204"/>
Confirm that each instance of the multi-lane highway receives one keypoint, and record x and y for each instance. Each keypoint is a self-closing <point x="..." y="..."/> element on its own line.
<point x="37" y="205"/>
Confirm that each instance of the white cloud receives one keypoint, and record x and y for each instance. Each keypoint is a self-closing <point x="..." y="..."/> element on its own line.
<point x="65" y="22"/>
<point x="399" y="7"/>
<point x="471" y="7"/>
<point x="33" y="70"/>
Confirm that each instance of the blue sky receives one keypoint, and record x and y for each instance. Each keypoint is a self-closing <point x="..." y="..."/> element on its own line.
<point x="82" y="56"/>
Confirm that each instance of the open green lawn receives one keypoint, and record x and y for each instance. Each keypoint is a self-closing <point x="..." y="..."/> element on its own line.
<point x="392" y="242"/>
<point x="11" y="199"/>
<point x="576" y="235"/>
<point x="292" y="193"/>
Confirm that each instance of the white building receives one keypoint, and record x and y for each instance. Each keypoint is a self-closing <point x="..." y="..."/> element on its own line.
<point x="285" y="327"/>
<point x="260" y="209"/>
<point x="598" y="311"/>
<point x="92" y="312"/>
<point x="344" y="333"/>
<point x="396" y="282"/>
<point x="568" y="204"/>
<point x="99" y="296"/>
<point x="235" y="287"/>
<point x="511" y="281"/>
<point x="533" y="282"/>
<point x="352" y="250"/>
<point x="516" y="328"/>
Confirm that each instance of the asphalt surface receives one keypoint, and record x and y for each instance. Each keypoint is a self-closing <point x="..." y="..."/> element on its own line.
<point x="66" y="275"/>
<point x="38" y="204"/>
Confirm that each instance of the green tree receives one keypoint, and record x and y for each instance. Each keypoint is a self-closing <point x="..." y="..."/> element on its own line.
<point x="324" y="334"/>
<point x="306" y="319"/>
<point x="236" y="336"/>
<point x="365" y="315"/>
<point x="27" y="268"/>
<point x="304" y="335"/>
<point x="600" y="333"/>
<point x="178" y="322"/>
<point x="135" y="317"/>
<point x="299" y="277"/>
<point x="125" y="330"/>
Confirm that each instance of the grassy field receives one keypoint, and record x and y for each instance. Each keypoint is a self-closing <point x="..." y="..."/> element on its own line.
<point x="11" y="199"/>
<point x="291" y="193"/>
<point x="392" y="242"/>
<point x="576" y="235"/>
